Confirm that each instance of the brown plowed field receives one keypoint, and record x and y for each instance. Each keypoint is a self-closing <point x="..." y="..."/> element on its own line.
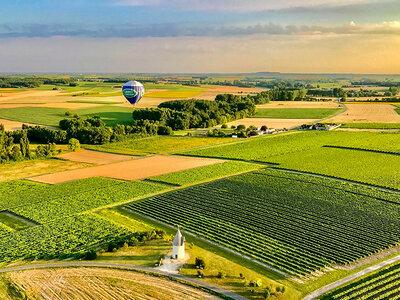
<point x="94" y="157"/>
<point x="96" y="283"/>
<point x="130" y="170"/>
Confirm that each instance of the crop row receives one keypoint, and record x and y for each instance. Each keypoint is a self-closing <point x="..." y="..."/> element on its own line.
<point x="383" y="284"/>
<point x="61" y="237"/>
<point x="282" y="219"/>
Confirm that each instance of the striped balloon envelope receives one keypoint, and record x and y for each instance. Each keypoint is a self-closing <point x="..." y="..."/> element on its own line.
<point x="133" y="91"/>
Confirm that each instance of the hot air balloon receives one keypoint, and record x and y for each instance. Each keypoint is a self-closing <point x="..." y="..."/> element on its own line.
<point x="133" y="91"/>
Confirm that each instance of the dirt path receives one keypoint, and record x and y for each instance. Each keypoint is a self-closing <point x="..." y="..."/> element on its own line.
<point x="190" y="281"/>
<point x="329" y="287"/>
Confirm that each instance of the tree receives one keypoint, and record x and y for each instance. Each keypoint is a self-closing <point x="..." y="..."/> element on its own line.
<point x="24" y="145"/>
<point x="199" y="263"/>
<point x="264" y="128"/>
<point x="241" y="127"/>
<point x="74" y="145"/>
<point x="221" y="275"/>
<point x="267" y="293"/>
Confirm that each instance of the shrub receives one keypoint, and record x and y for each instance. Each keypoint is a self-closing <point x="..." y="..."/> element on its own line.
<point x="241" y="127"/>
<point x="221" y="275"/>
<point x="224" y="126"/>
<point x="200" y="274"/>
<point x="199" y="263"/>
<point x="74" y="145"/>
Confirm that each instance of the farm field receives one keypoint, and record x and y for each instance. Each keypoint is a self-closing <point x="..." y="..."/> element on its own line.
<point x="205" y="173"/>
<point x="382" y="284"/>
<point x="111" y="115"/>
<point x="101" y="283"/>
<point x="299" y="104"/>
<point x="157" y="144"/>
<point x="337" y="162"/>
<point x="59" y="227"/>
<point x="367" y="113"/>
<point x="296" y="113"/>
<point x="301" y="151"/>
<point x="271" y="205"/>
<point x="372" y="125"/>
<point x="129" y="170"/>
<point x="25" y="169"/>
<point x="271" y="122"/>
<point x="93" y="157"/>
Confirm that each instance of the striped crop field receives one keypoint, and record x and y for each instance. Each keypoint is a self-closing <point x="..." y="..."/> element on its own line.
<point x="299" y="224"/>
<point x="383" y="284"/>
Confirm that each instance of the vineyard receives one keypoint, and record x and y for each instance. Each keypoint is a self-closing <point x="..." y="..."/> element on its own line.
<point x="263" y="148"/>
<point x="296" y="223"/>
<point x="308" y="151"/>
<point x="61" y="229"/>
<point x="43" y="203"/>
<point x="383" y="284"/>
<point x="204" y="173"/>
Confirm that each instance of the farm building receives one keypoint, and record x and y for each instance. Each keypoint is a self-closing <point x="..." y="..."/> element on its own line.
<point x="178" y="246"/>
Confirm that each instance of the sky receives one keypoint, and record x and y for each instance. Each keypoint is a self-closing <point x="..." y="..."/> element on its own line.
<point x="200" y="36"/>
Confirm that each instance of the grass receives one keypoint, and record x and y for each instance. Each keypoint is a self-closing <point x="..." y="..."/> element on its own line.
<point x="13" y="222"/>
<point x="232" y="270"/>
<point x="205" y="173"/>
<point x="120" y="217"/>
<point x="296" y="113"/>
<point x="25" y="169"/>
<point x="144" y="254"/>
<point x="157" y="144"/>
<point x="373" y="125"/>
<point x="111" y="115"/>
<point x="173" y="94"/>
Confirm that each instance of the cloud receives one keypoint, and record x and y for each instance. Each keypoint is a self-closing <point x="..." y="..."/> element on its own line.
<point x="181" y="30"/>
<point x="237" y="5"/>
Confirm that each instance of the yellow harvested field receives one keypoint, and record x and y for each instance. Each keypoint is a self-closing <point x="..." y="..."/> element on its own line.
<point x="368" y="113"/>
<point x="12" y="125"/>
<point x="213" y="90"/>
<point x="94" y="157"/>
<point x="300" y="104"/>
<point x="130" y="170"/>
<point x="271" y="123"/>
<point x="172" y="94"/>
<point x="101" y="283"/>
<point x="19" y="170"/>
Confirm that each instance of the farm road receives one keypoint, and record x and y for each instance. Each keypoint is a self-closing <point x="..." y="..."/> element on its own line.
<point x="183" y="278"/>
<point x="329" y="287"/>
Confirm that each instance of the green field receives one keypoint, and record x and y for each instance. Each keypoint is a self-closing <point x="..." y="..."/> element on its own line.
<point x="157" y="144"/>
<point x="372" y="125"/>
<point x="382" y="284"/>
<point x="111" y="115"/>
<point x="205" y="173"/>
<point x="293" y="222"/>
<point x="305" y="152"/>
<point x="296" y="113"/>
<point x="61" y="212"/>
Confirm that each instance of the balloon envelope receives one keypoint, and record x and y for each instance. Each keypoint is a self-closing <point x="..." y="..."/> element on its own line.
<point x="133" y="91"/>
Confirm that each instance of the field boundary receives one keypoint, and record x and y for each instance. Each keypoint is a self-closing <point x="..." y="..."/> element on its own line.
<point x="207" y="287"/>
<point x="282" y="273"/>
<point x="343" y="281"/>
